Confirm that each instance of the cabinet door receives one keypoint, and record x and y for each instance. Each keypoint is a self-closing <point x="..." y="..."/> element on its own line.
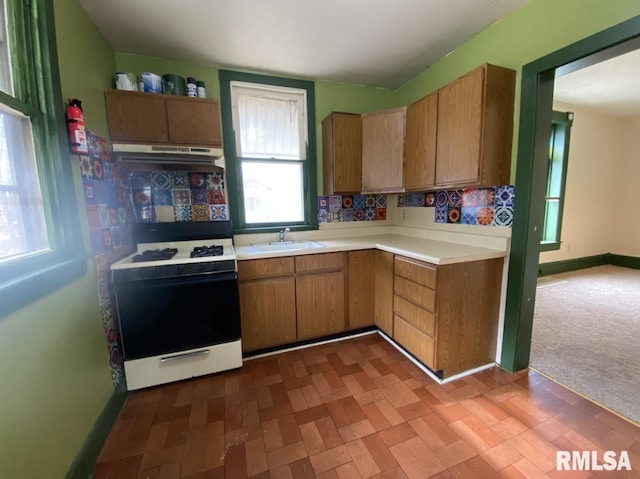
<point x="320" y="304"/>
<point x="383" y="150"/>
<point x="459" y="130"/>
<point x="342" y="153"/>
<point x="268" y="313"/>
<point x="420" y="149"/>
<point x="193" y="121"/>
<point x="361" y="289"/>
<point x="136" y="117"/>
<point x="384" y="291"/>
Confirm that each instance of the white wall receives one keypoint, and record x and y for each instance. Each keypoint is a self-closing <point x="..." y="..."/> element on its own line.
<point x="593" y="211"/>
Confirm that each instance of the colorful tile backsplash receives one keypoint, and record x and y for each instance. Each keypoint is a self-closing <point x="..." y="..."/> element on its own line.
<point x="340" y="209"/>
<point x="164" y="196"/>
<point x="482" y="206"/>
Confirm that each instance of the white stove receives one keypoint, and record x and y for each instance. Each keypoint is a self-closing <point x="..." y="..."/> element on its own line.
<point x="178" y="303"/>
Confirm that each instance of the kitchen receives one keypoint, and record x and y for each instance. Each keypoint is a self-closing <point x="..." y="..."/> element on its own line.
<point x="58" y="384"/>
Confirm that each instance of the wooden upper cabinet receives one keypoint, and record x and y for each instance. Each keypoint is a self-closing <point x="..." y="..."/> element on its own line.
<point x="420" y="147"/>
<point x="193" y="122"/>
<point x="136" y="117"/>
<point x="342" y="153"/>
<point x="383" y="134"/>
<point x="475" y="128"/>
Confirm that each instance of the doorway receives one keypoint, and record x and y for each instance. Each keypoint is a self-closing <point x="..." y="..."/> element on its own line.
<point x="531" y="175"/>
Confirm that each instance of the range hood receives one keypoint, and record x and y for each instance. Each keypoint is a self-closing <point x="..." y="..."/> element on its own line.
<point x="170" y="155"/>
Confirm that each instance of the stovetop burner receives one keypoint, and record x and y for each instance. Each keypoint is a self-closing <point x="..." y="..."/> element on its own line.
<point x="155" y="255"/>
<point x="201" y="251"/>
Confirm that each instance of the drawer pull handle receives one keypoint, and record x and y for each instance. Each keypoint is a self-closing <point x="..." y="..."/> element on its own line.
<point x="184" y="355"/>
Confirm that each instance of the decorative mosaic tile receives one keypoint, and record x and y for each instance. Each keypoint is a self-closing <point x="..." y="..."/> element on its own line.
<point x="358" y="201"/>
<point x="502" y="216"/>
<point x="165" y="214"/>
<point x="142" y="196"/>
<point x="112" y="199"/>
<point x="469" y="198"/>
<point x="218" y="212"/>
<point x="215" y="181"/>
<point x="347" y="214"/>
<point x="179" y="179"/>
<point x="86" y="170"/>
<point x="146" y="214"/>
<point x="430" y="199"/>
<point x="215" y="197"/>
<point x="106" y="239"/>
<point x="116" y="236"/>
<point x="89" y="191"/>
<point x="335" y="216"/>
<point x="161" y="197"/>
<point x="122" y="215"/>
<point x="358" y="214"/>
<point x="323" y="216"/>
<point x="95" y="237"/>
<point x="335" y="202"/>
<point x="418" y="199"/>
<point x="140" y="179"/>
<point x="182" y="213"/>
<point x="485" y="197"/>
<point x="97" y="171"/>
<point x="200" y="197"/>
<point x="402" y="201"/>
<point x="347" y="201"/>
<point x="370" y="201"/>
<point x="381" y="214"/>
<point x="442" y="198"/>
<point x="102" y="196"/>
<point x="381" y="201"/>
<point x="469" y="215"/>
<point x="103" y="216"/>
<point x="455" y="197"/>
<point x="369" y="214"/>
<point x="201" y="212"/>
<point x="113" y="215"/>
<point x="107" y="166"/>
<point x="160" y="180"/>
<point x="485" y="215"/>
<point x="323" y="203"/>
<point x="198" y="181"/>
<point x="441" y="214"/>
<point x="453" y="214"/>
<point x="181" y="197"/>
<point x="504" y="195"/>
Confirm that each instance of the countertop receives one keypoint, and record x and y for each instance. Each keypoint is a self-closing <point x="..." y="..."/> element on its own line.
<point x="429" y="250"/>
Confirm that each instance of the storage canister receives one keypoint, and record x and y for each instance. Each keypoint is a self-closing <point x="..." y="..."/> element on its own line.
<point x="174" y="84"/>
<point x="202" y="93"/>
<point x="150" y="82"/>
<point x="191" y="87"/>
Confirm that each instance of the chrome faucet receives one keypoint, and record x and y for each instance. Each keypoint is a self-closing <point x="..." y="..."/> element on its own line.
<point x="283" y="234"/>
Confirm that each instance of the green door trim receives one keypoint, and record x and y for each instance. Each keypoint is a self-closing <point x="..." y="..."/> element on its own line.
<point x="535" y="126"/>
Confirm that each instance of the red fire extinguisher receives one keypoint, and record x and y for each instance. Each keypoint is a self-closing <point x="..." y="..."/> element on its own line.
<point x="75" y="126"/>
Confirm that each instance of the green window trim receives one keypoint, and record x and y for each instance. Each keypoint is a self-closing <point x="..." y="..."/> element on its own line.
<point x="38" y="94"/>
<point x="233" y="171"/>
<point x="559" y="142"/>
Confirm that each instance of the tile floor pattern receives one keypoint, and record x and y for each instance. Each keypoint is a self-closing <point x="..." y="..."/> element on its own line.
<point x="357" y="408"/>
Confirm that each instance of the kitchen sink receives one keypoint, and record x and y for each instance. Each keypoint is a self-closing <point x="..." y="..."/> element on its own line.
<point x="286" y="246"/>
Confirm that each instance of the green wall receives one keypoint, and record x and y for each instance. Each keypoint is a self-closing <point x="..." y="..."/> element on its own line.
<point x="53" y="357"/>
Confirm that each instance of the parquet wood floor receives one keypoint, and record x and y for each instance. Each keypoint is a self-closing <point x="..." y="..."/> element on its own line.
<point x="357" y="408"/>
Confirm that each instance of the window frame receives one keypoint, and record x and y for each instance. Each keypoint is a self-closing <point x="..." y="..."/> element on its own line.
<point x="561" y="122"/>
<point x="37" y="93"/>
<point x="233" y="162"/>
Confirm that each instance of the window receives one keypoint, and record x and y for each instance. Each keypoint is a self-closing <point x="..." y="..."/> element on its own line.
<point x="40" y="241"/>
<point x="556" y="179"/>
<point x="269" y="146"/>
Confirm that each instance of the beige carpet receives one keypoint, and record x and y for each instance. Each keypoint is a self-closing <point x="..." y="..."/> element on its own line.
<point x="586" y="334"/>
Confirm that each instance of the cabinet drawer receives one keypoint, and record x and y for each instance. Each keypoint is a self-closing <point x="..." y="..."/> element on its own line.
<point x="415" y="341"/>
<point x="415" y="315"/>
<point x="414" y="292"/>
<point x="319" y="262"/>
<point x="264" y="268"/>
<point x="416" y="272"/>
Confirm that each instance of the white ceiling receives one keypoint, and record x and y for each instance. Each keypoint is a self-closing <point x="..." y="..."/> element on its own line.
<point x="609" y="87"/>
<point x="380" y="43"/>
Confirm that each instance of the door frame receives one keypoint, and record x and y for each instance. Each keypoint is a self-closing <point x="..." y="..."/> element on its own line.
<point x="536" y="104"/>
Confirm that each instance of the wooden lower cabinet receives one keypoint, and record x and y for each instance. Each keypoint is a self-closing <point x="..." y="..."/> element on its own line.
<point x="361" y="289"/>
<point x="383" y="281"/>
<point x="320" y="304"/>
<point x="268" y="313"/>
<point x="447" y="316"/>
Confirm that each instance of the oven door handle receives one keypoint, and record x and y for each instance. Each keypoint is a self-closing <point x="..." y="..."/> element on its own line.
<point x="183" y="280"/>
<point x="173" y="357"/>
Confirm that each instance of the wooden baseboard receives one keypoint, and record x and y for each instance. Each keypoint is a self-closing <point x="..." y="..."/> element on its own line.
<point x="575" y="264"/>
<point x="82" y="466"/>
